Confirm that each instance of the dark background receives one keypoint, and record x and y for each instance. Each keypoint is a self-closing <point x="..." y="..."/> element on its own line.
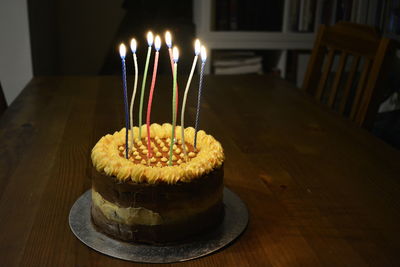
<point x="72" y="37"/>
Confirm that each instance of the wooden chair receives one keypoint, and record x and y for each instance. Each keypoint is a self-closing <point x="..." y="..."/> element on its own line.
<point x="3" y="103"/>
<point x="361" y="91"/>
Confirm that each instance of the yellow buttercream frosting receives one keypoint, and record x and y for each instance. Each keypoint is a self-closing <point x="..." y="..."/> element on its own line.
<point x="106" y="158"/>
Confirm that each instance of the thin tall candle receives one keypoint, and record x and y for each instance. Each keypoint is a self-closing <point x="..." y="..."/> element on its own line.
<point x="122" y="53"/>
<point x="175" y="54"/>
<point x="196" y="52"/>
<point x="203" y="55"/>
<point x="150" y="39"/>
<point x="157" y="45"/>
<point x="168" y="42"/>
<point x="133" y="49"/>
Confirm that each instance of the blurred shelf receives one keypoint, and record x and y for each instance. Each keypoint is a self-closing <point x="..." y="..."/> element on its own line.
<point x="203" y="11"/>
<point x="256" y="40"/>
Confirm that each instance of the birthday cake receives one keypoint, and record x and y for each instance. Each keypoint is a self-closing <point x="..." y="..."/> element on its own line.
<point x="155" y="197"/>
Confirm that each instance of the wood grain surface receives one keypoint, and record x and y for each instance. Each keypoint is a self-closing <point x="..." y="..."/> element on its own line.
<point x="320" y="191"/>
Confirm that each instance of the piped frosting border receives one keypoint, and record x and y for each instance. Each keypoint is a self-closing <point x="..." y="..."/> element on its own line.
<point x="106" y="158"/>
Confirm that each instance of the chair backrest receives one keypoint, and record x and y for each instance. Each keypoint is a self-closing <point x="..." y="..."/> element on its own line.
<point x="3" y="103"/>
<point x="353" y="87"/>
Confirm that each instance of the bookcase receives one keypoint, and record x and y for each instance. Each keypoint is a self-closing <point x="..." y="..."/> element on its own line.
<point x="292" y="28"/>
<point x="282" y="40"/>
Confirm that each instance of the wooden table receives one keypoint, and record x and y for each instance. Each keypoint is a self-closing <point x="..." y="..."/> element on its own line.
<point x="320" y="191"/>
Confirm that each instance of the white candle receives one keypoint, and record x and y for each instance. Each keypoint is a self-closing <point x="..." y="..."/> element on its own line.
<point x="133" y="49"/>
<point x="196" y="52"/>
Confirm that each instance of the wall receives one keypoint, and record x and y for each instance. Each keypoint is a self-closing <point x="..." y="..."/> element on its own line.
<point x="15" y="53"/>
<point x="86" y="32"/>
<point x="72" y="37"/>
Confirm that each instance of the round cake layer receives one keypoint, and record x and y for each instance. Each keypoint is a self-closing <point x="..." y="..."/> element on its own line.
<point x="157" y="213"/>
<point x="158" y="196"/>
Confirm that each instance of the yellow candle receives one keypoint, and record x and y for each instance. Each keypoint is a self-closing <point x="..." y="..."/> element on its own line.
<point x="175" y="53"/>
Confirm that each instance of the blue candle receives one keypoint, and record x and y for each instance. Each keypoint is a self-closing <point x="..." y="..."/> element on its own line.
<point x="203" y="55"/>
<point x="122" y="53"/>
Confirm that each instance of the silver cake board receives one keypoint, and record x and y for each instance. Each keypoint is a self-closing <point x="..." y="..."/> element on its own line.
<point x="234" y="223"/>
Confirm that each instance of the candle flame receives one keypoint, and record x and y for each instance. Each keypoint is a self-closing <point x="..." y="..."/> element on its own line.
<point x="133" y="45"/>
<point x="157" y="43"/>
<point x="175" y="54"/>
<point x="150" y="38"/>
<point x="122" y="50"/>
<point x="168" y="39"/>
<point x="197" y="47"/>
<point x="203" y="54"/>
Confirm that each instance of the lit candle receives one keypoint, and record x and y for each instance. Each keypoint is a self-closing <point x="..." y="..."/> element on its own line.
<point x="175" y="55"/>
<point x="150" y="39"/>
<point x="122" y="53"/>
<point x="196" y="53"/>
<point x="168" y="41"/>
<point x="133" y="49"/>
<point x="203" y="55"/>
<point x="157" y="45"/>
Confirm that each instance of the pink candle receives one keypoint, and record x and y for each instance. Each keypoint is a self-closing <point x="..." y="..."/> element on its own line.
<point x="157" y="45"/>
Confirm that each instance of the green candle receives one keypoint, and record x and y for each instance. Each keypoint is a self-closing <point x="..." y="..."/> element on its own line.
<point x="150" y="39"/>
<point x="175" y="54"/>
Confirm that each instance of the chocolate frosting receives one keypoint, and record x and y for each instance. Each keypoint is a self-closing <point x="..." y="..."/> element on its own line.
<point x="157" y="197"/>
